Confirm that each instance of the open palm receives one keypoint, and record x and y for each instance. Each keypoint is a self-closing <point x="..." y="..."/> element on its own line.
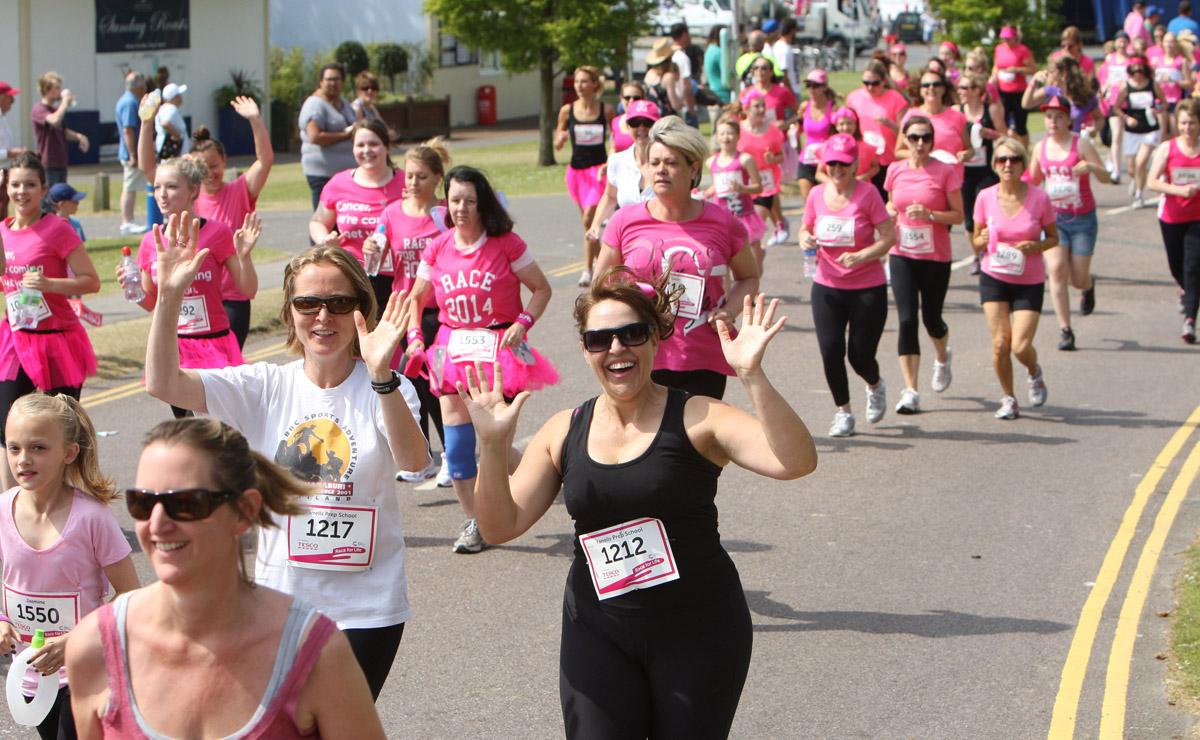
<point x="494" y="418"/>
<point x="178" y="258"/>
<point x="744" y="353"/>
<point x="379" y="345"/>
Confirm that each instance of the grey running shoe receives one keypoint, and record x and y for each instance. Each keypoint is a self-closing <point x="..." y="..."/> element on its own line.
<point x="1066" y="340"/>
<point x="470" y="540"/>
<point x="843" y="424"/>
<point x="941" y="374"/>
<point x="1037" y="388"/>
<point x="1008" y="408"/>
<point x="876" y="401"/>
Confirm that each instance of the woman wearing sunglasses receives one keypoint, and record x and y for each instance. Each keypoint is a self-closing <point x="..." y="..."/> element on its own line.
<point x="897" y="73"/>
<point x="202" y="652"/>
<point x="1175" y="172"/>
<point x="951" y="133"/>
<point x="1140" y="102"/>
<point x="846" y="122"/>
<point x="367" y="87"/>
<point x="623" y="136"/>
<point x="879" y="109"/>
<point x="475" y="272"/>
<point x="846" y="222"/>
<point x="985" y="117"/>
<point x="627" y="183"/>
<point x="637" y="467"/>
<point x="1063" y="164"/>
<point x="925" y="195"/>
<point x="699" y="244"/>
<point x="333" y="418"/>
<point x="1010" y="221"/>
<point x="817" y="120"/>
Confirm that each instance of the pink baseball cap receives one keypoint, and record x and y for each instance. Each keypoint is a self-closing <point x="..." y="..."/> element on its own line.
<point x="817" y="76"/>
<point x="642" y="109"/>
<point x="1008" y="32"/>
<point x="899" y="49"/>
<point x="841" y="148"/>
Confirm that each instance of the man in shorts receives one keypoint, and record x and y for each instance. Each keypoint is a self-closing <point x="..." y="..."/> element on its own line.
<point x="133" y="182"/>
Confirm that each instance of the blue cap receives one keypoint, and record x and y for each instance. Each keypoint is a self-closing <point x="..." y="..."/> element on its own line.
<point x="770" y="25"/>
<point x="62" y="191"/>
<point x="1153" y="10"/>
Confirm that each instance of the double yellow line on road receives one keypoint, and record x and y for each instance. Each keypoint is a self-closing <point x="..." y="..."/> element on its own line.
<point x="1116" y="685"/>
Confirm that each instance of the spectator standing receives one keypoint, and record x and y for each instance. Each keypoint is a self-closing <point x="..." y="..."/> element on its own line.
<point x="326" y="131"/>
<point x="7" y="150"/>
<point x="171" y="138"/>
<point x="784" y="55"/>
<point x="1184" y="21"/>
<point x="712" y="69"/>
<point x="1135" y="22"/>
<point x="49" y="129"/>
<point x="128" y="124"/>
<point x="681" y="39"/>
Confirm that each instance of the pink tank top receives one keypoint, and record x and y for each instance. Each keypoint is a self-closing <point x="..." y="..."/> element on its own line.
<point x="275" y="717"/>
<point x="1069" y="193"/>
<point x="816" y="131"/>
<point x="1181" y="170"/>
<point x="724" y="178"/>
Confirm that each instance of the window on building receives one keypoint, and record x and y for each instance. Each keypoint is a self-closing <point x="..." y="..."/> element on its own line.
<point x="453" y="54"/>
<point x="489" y="62"/>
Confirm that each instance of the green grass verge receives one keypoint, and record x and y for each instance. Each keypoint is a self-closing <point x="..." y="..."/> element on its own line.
<point x="1183" y="669"/>
<point x="106" y="253"/>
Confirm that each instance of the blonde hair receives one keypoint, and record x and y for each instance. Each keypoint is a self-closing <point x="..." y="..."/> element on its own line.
<point x="84" y="471"/>
<point x="434" y="154"/>
<point x="592" y="72"/>
<point x="673" y="133"/>
<point x="978" y="56"/>
<point x="48" y="81"/>
<point x="1014" y="145"/>
<point x="350" y="267"/>
<point x="192" y="169"/>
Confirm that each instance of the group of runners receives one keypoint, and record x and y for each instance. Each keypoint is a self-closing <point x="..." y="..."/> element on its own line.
<point x="408" y="309"/>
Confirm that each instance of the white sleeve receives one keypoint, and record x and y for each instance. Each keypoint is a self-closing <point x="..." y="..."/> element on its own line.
<point x="425" y="271"/>
<point x="237" y="395"/>
<point x="684" y="63"/>
<point x="525" y="260"/>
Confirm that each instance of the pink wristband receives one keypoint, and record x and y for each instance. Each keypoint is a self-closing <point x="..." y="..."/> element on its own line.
<point x="525" y="319"/>
<point x="414" y="335"/>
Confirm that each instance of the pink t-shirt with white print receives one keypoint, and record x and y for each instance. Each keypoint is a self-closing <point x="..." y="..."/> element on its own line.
<point x="476" y="286"/>
<point x="1002" y="261"/>
<point x="929" y="186"/>
<point x="201" y="312"/>
<point x="54" y="588"/>
<point x="407" y="239"/>
<point x="357" y="210"/>
<point x="848" y="229"/>
<point x="697" y="253"/>
<point x="46" y="244"/>
<point x="229" y="205"/>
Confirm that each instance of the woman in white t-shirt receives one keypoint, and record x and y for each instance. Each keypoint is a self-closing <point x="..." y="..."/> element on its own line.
<point x="626" y="183"/>
<point x="333" y="419"/>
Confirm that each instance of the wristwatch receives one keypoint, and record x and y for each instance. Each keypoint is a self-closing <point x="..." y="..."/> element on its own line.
<point x="387" y="386"/>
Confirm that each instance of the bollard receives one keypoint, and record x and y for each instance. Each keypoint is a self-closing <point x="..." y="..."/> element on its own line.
<point x="100" y="200"/>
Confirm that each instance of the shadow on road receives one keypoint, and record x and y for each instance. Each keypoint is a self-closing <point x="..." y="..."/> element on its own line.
<point x="1133" y="345"/>
<point x="933" y="623"/>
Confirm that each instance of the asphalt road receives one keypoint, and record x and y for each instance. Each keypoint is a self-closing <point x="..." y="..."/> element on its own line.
<point x="929" y="580"/>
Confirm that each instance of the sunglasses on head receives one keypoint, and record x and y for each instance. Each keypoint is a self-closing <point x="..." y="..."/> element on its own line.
<point x="914" y="138"/>
<point x="932" y="84"/>
<point x="312" y="304"/>
<point x="631" y="335"/>
<point x="639" y="122"/>
<point x="1008" y="159"/>
<point x="183" y="505"/>
<point x="872" y="83"/>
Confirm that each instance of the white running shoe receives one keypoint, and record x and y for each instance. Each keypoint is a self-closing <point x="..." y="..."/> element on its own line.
<point x="843" y="424"/>
<point x="876" y="401"/>
<point x="132" y="228"/>
<point x="1037" y="388"/>
<point x="1138" y="200"/>
<point x="1008" y="408"/>
<point x="443" y="475"/>
<point x="910" y="402"/>
<point x="941" y="374"/>
<point x="585" y="278"/>
<point x="416" y="476"/>
<point x="469" y="540"/>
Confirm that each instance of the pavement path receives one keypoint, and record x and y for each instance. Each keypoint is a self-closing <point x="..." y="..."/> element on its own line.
<point x="945" y="575"/>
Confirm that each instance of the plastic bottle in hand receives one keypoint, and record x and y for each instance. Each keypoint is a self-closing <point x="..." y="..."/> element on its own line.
<point x="30" y="713"/>
<point x="131" y="278"/>
<point x="810" y="263"/>
<point x="149" y="105"/>
<point x="374" y="259"/>
<point x="28" y="307"/>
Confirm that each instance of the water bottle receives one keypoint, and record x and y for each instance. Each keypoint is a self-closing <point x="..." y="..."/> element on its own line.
<point x="30" y="302"/>
<point x="148" y="107"/>
<point x="131" y="280"/>
<point x="810" y="263"/>
<point x="374" y="259"/>
<point x="31" y="713"/>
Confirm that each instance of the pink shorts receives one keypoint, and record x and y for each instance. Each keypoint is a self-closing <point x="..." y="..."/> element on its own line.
<point x="586" y="186"/>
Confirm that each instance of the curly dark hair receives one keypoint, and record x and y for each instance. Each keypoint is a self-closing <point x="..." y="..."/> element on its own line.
<point x="655" y="302"/>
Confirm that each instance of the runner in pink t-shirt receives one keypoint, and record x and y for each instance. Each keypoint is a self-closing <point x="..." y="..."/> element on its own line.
<point x="849" y="292"/>
<point x="1175" y="172"/>
<point x="60" y="545"/>
<point x="879" y="110"/>
<point x="1012" y="60"/>
<point x="735" y="182"/>
<point x="1014" y="224"/>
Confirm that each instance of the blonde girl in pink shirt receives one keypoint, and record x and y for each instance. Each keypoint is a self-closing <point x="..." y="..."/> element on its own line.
<point x="60" y="543"/>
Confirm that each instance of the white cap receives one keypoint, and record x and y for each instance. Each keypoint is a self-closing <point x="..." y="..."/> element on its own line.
<point x="172" y="91"/>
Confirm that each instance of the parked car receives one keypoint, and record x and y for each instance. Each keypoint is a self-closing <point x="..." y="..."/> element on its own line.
<point x="907" y="27"/>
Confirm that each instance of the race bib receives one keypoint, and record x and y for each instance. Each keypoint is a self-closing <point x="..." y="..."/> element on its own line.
<point x="812" y="152"/>
<point x="472" y="345"/>
<point x="944" y="156"/>
<point x="1117" y="73"/>
<point x="628" y="557"/>
<point x="1008" y="260"/>
<point x="56" y="614"/>
<point x="1141" y="100"/>
<point x="1063" y="191"/>
<point x="1006" y="75"/>
<point x="589" y="134"/>
<point x="328" y="537"/>
<point x="917" y="239"/>
<point x="1168" y="74"/>
<point x="724" y="182"/>
<point x="1185" y="175"/>
<point x="387" y="266"/>
<point x="875" y="139"/>
<point x="835" y="231"/>
<point x="193" y="316"/>
<point x="978" y="155"/>
<point x="691" y="301"/>
<point x="43" y="311"/>
<point x="768" y="179"/>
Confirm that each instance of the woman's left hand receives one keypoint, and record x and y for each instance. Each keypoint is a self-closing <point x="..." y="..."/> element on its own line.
<point x="246" y="237"/>
<point x="378" y="346"/>
<point x="513" y="335"/>
<point x="1029" y="247"/>
<point x="35" y="279"/>
<point x="849" y="259"/>
<point x="744" y="354"/>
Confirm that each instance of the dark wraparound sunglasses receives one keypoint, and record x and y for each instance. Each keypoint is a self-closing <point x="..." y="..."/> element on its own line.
<point x="639" y="122"/>
<point x="184" y="505"/>
<point x="1008" y="159"/>
<point x="932" y="84"/>
<point x="632" y="97"/>
<point x="914" y="138"/>
<point x="872" y="83"/>
<point x="312" y="304"/>
<point x="631" y="335"/>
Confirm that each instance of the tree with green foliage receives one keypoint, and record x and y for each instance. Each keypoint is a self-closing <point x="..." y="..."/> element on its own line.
<point x="972" y="23"/>
<point x="353" y="56"/>
<point x="550" y="36"/>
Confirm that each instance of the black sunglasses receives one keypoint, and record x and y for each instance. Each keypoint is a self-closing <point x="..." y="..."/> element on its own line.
<point x="631" y="335"/>
<point x="639" y="122"/>
<point x="312" y="304"/>
<point x="932" y="84"/>
<point x="1008" y="159"/>
<point x="813" y="84"/>
<point x="632" y="97"/>
<point x="183" y="505"/>
<point x="872" y="83"/>
<point x="364" y="88"/>
<point x="914" y="138"/>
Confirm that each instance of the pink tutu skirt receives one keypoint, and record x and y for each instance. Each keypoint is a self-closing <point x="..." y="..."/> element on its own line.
<point x="524" y="369"/>
<point x="51" y="360"/>
<point x="755" y="226"/>
<point x="586" y="186"/>
<point x="210" y="353"/>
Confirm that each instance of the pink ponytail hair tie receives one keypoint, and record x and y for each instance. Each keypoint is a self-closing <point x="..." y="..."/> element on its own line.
<point x="648" y="289"/>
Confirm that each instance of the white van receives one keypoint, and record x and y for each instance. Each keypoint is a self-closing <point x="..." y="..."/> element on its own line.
<point x="699" y="15"/>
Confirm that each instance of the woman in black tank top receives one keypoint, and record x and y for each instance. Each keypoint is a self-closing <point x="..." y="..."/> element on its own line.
<point x="977" y="174"/>
<point x="656" y="632"/>
<point x="584" y="123"/>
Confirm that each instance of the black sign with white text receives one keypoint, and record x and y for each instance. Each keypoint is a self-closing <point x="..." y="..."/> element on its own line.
<point x="142" y="25"/>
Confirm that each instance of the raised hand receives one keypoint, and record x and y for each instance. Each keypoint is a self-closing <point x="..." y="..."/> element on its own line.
<point x="494" y="419"/>
<point x="245" y="107"/>
<point x="744" y="354"/>
<point x="178" y="258"/>
<point x="378" y="346"/>
<point x="246" y="237"/>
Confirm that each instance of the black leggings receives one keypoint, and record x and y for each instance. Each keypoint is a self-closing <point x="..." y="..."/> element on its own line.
<point x="375" y="650"/>
<point x="1182" y="242"/>
<point x="59" y="724"/>
<point x="696" y="382"/>
<point x="1015" y="114"/>
<point x="921" y="282"/>
<point x="11" y="390"/>
<point x="879" y="179"/>
<point x="673" y="674"/>
<point x="239" y="319"/>
<point x="865" y="313"/>
<point x="975" y="179"/>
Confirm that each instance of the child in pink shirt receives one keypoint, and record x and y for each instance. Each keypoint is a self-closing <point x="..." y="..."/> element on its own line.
<point x="60" y="543"/>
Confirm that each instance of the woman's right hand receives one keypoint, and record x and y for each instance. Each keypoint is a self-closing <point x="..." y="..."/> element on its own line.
<point x="178" y="258"/>
<point x="808" y="241"/>
<point x="332" y="239"/>
<point x="9" y="638"/>
<point x="495" y="420"/>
